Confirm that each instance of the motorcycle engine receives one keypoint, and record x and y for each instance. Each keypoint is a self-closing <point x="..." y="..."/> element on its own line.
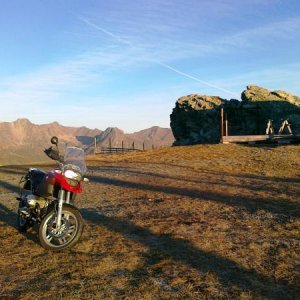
<point x="33" y="200"/>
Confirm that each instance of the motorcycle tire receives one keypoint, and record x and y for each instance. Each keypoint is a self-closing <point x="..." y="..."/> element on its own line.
<point x="65" y="237"/>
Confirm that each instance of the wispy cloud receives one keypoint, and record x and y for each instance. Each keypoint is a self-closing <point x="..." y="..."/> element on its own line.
<point x="172" y="30"/>
<point x="172" y="51"/>
<point x="186" y="75"/>
<point x="146" y="37"/>
<point x="286" y="29"/>
<point x="53" y="82"/>
<point x="284" y="77"/>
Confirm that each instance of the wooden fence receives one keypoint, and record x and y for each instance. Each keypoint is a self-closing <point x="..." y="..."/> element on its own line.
<point x="122" y="149"/>
<point x="279" y="138"/>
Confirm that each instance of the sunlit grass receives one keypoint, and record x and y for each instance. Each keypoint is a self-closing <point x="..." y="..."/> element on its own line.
<point x="199" y="222"/>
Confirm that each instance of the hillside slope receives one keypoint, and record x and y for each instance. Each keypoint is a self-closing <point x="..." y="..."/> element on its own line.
<point x="197" y="222"/>
<point x="153" y="137"/>
<point x="22" y="141"/>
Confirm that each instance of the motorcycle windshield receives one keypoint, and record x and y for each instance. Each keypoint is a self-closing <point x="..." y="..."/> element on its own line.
<point x="75" y="157"/>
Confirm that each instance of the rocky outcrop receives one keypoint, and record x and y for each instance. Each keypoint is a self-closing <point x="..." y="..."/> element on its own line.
<point x="196" y="118"/>
<point x="255" y="93"/>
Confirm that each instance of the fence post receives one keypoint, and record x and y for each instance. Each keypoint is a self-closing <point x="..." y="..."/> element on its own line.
<point x="132" y="145"/>
<point x="122" y="146"/>
<point x="143" y="146"/>
<point x="222" y="125"/>
<point x="226" y="125"/>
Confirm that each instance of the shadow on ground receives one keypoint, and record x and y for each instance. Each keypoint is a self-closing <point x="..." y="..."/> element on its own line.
<point x="163" y="246"/>
<point x="252" y="204"/>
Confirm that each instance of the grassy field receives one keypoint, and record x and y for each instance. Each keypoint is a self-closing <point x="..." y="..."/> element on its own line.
<point x="199" y="222"/>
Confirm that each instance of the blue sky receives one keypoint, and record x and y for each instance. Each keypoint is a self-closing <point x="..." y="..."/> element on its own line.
<point x="124" y="63"/>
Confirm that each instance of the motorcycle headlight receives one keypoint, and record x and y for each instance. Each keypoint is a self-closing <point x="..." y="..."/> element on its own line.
<point x="70" y="174"/>
<point x="72" y="177"/>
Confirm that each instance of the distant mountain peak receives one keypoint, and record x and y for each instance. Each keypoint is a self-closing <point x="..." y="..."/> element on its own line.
<point x="111" y="129"/>
<point x="27" y="140"/>
<point x="55" y="123"/>
<point x="22" y="121"/>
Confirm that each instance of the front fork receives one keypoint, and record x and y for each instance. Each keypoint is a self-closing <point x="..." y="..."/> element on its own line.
<point x="63" y="196"/>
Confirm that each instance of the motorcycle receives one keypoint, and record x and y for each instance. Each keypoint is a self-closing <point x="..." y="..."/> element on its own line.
<point x="47" y="199"/>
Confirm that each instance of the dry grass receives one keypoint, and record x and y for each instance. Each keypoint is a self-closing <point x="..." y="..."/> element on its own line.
<point x="201" y="222"/>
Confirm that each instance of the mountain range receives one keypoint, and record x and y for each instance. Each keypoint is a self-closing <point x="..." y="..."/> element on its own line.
<point x="22" y="141"/>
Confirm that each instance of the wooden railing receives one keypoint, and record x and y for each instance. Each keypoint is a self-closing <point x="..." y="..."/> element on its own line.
<point x="122" y="149"/>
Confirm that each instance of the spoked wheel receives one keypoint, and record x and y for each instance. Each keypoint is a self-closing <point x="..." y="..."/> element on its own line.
<point x="67" y="235"/>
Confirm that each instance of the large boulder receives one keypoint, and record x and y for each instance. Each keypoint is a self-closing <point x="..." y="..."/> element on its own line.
<point x="255" y="93"/>
<point x="196" y="118"/>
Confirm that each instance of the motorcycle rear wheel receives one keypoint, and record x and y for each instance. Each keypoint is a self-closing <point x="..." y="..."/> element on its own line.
<point x="67" y="235"/>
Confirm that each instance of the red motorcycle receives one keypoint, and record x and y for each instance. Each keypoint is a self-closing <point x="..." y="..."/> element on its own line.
<point x="47" y="199"/>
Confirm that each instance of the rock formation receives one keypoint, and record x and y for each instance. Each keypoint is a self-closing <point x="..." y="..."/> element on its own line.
<point x="196" y="118"/>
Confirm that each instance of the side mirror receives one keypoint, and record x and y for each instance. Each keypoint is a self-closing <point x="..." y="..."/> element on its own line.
<point x="54" y="140"/>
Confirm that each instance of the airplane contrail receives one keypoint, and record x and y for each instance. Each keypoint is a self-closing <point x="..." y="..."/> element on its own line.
<point x="105" y="31"/>
<point x="196" y="79"/>
<point x="120" y="39"/>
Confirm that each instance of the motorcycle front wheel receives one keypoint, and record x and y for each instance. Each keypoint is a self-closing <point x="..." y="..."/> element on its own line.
<point x="64" y="237"/>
